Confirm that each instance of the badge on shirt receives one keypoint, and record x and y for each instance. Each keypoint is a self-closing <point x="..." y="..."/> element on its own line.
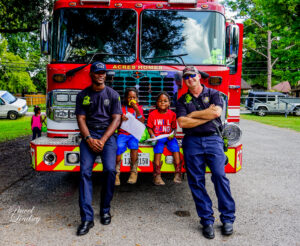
<point x="106" y="102"/>
<point x="188" y="98"/>
<point x="86" y="101"/>
<point x="206" y="99"/>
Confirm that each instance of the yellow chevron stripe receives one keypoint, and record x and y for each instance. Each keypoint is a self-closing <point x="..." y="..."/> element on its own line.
<point x="40" y="151"/>
<point x="238" y="161"/>
<point x="231" y="157"/>
<point x="98" y="167"/>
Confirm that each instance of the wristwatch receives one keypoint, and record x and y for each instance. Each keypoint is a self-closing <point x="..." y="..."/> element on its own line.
<point x="87" y="137"/>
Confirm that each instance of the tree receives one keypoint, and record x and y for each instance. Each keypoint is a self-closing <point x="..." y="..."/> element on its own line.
<point x="27" y="46"/>
<point x="23" y="16"/>
<point x="13" y="74"/>
<point x="271" y="30"/>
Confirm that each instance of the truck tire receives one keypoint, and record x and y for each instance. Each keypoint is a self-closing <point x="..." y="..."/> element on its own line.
<point x="12" y="115"/>
<point x="297" y="111"/>
<point x="262" y="111"/>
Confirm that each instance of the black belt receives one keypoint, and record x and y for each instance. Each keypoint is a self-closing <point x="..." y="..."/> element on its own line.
<point x="204" y="134"/>
<point x="96" y="127"/>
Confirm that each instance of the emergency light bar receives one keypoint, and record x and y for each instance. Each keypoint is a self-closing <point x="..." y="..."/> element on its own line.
<point x="182" y="1"/>
<point x="94" y="1"/>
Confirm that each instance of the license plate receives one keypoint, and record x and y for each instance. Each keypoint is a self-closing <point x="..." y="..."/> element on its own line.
<point x="144" y="159"/>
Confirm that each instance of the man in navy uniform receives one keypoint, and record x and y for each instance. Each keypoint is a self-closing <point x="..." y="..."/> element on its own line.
<point x="198" y="113"/>
<point x="98" y="110"/>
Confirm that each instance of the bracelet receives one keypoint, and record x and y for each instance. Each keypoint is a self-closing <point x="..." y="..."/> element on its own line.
<point x="87" y="137"/>
<point x="138" y="117"/>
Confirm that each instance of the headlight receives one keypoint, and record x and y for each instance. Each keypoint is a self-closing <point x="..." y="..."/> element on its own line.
<point x="72" y="114"/>
<point x="73" y="98"/>
<point x="50" y="158"/>
<point x="232" y="132"/>
<point x="62" y="98"/>
<point x="73" y="158"/>
<point x="61" y="113"/>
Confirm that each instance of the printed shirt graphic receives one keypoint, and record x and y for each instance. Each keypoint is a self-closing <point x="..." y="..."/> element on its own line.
<point x="162" y="123"/>
<point x="132" y="111"/>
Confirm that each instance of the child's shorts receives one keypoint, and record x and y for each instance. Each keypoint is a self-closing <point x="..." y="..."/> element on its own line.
<point x="126" y="141"/>
<point x="172" y="145"/>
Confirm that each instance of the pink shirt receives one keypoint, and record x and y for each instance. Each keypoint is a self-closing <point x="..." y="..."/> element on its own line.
<point x="36" y="122"/>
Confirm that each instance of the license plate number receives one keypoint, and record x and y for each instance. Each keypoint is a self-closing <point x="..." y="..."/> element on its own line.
<point x="144" y="159"/>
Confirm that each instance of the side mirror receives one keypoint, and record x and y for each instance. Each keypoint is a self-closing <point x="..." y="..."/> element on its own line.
<point x="232" y="40"/>
<point x="45" y="37"/>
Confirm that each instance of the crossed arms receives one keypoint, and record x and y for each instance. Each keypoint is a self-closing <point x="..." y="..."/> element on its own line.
<point x="200" y="117"/>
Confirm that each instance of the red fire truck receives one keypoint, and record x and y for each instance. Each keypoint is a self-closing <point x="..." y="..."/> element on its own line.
<point x="144" y="45"/>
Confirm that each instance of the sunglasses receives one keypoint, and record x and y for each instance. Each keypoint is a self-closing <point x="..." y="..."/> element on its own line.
<point x="189" y="76"/>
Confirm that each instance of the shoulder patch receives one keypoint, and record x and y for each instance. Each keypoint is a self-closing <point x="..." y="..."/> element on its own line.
<point x="86" y="100"/>
<point x="188" y="98"/>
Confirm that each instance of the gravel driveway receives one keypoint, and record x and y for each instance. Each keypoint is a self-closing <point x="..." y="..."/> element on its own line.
<point x="42" y="208"/>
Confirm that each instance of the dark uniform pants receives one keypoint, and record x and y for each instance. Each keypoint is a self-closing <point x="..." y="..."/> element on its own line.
<point x="199" y="151"/>
<point x="87" y="160"/>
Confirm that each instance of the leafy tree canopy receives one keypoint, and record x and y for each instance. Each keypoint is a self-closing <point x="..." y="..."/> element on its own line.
<point x="13" y="71"/>
<point x="23" y="16"/>
<point x="282" y="20"/>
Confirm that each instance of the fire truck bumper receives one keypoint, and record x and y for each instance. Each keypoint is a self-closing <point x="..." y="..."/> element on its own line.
<point x="62" y="154"/>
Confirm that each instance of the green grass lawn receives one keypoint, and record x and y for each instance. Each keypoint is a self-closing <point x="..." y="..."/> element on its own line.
<point x="10" y="129"/>
<point x="291" y="122"/>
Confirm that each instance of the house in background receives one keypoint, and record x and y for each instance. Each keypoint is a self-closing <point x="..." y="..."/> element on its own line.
<point x="245" y="87"/>
<point x="296" y="91"/>
<point x="283" y="87"/>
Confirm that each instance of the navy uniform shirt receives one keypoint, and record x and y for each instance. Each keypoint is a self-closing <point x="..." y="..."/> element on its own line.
<point x="207" y="97"/>
<point x="98" y="106"/>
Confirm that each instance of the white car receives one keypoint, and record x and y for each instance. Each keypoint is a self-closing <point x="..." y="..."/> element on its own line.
<point x="11" y="107"/>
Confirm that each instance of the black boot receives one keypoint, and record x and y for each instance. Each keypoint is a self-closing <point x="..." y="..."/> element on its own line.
<point x="84" y="227"/>
<point x="208" y="231"/>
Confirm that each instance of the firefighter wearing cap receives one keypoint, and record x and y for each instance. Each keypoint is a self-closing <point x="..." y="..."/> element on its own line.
<point x="98" y="111"/>
<point x="196" y="111"/>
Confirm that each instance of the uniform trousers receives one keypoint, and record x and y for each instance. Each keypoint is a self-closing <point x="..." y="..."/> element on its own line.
<point x="87" y="160"/>
<point x="199" y="152"/>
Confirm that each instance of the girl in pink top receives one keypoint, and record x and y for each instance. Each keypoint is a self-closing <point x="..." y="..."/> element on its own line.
<point x="36" y="122"/>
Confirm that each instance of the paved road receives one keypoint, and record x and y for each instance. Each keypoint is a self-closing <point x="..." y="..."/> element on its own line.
<point x="42" y="208"/>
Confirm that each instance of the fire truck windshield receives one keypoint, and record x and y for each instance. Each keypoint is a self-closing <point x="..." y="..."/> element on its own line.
<point x="199" y="34"/>
<point x="80" y="33"/>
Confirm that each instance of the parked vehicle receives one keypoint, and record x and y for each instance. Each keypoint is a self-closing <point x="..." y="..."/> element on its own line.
<point x="262" y="103"/>
<point x="11" y="107"/>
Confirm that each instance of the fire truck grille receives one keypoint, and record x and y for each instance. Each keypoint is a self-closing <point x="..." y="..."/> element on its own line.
<point x="148" y="83"/>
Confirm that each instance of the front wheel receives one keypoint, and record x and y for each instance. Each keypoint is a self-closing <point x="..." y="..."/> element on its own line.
<point x="262" y="111"/>
<point x="12" y="115"/>
<point x="297" y="111"/>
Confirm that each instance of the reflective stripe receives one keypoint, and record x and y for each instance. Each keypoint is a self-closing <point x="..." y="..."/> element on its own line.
<point x="233" y="112"/>
<point x="234" y="156"/>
